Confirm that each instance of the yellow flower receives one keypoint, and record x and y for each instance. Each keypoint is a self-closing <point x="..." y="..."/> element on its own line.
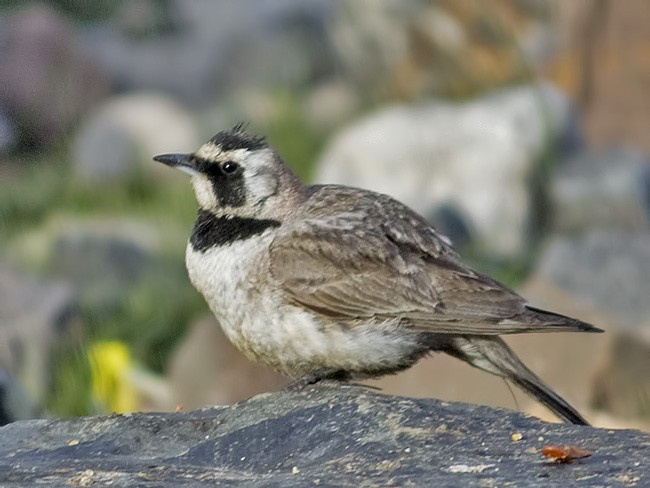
<point x="111" y="367"/>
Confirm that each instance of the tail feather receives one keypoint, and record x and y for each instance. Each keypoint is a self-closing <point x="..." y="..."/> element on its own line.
<point x="553" y="318"/>
<point x="548" y="397"/>
<point x="491" y="354"/>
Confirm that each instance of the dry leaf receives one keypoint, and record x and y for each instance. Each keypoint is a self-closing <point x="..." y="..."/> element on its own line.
<point x="564" y="454"/>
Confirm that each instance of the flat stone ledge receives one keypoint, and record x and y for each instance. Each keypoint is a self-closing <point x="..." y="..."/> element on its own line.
<point x="321" y="436"/>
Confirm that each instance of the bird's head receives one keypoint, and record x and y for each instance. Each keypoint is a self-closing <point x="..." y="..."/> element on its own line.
<point x="238" y="174"/>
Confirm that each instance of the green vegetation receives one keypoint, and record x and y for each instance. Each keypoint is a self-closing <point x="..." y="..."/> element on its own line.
<point x="80" y="10"/>
<point x="292" y="137"/>
<point x="70" y="395"/>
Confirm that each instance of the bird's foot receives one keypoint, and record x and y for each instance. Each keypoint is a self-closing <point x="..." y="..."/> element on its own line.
<point x="302" y="382"/>
<point x="327" y="379"/>
<point x="324" y="378"/>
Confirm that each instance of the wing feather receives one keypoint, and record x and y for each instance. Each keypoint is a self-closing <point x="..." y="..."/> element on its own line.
<point x="356" y="256"/>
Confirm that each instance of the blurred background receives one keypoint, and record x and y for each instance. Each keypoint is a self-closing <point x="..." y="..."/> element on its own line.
<point x="520" y="128"/>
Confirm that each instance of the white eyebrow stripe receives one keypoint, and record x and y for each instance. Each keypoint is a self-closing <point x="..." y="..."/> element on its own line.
<point x="210" y="152"/>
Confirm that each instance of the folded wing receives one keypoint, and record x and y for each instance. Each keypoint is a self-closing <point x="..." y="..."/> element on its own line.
<point x="358" y="256"/>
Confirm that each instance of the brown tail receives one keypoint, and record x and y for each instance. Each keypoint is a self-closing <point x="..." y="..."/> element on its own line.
<point x="491" y="354"/>
<point x="545" y="316"/>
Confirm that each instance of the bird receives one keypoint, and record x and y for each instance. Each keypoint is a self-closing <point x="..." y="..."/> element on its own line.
<point x="336" y="283"/>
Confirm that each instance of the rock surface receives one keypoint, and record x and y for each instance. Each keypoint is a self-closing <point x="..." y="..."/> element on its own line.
<point x="345" y="436"/>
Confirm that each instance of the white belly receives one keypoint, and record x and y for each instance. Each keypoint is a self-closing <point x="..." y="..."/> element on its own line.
<point x="250" y="308"/>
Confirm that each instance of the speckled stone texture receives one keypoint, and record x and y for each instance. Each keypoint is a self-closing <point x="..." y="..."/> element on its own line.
<point x="320" y="436"/>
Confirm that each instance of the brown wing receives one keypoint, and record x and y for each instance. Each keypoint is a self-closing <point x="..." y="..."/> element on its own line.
<point x="353" y="256"/>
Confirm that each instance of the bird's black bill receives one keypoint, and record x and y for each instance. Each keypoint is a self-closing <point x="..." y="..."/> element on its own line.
<point x="182" y="162"/>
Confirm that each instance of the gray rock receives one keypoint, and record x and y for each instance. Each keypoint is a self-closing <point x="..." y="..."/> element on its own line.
<point x="104" y="152"/>
<point x="477" y="158"/>
<point x="622" y="385"/>
<point x="607" y="189"/>
<point x="327" y="105"/>
<point x="342" y="436"/>
<point x="103" y="260"/>
<point x="606" y="270"/>
<point x="8" y="134"/>
<point x="48" y="79"/>
<point x="35" y="319"/>
<point x="118" y="139"/>
<point x="405" y="50"/>
<point x="15" y="402"/>
<point x="103" y="267"/>
<point x="205" y="49"/>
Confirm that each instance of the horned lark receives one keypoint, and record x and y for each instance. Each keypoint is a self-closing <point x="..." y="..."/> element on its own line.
<point x="333" y="282"/>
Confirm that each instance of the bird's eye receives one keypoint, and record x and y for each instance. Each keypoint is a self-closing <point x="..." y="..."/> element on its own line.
<point x="229" y="167"/>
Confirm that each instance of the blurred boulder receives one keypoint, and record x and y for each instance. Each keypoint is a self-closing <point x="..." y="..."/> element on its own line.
<point x="602" y="55"/>
<point x="476" y="158"/>
<point x="104" y="260"/>
<point x="48" y="78"/>
<point x="406" y="50"/>
<point x="35" y="317"/>
<point x="202" y="49"/>
<point x="119" y="138"/>
<point x="206" y="369"/>
<point x="8" y="135"/>
<point x="622" y="385"/>
<point x="329" y="104"/>
<point x="15" y="403"/>
<point x="105" y="152"/>
<point x="607" y="270"/>
<point x="606" y="189"/>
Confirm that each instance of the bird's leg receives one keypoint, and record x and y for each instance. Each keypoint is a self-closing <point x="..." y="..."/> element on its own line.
<point x="326" y="378"/>
<point x="302" y="382"/>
